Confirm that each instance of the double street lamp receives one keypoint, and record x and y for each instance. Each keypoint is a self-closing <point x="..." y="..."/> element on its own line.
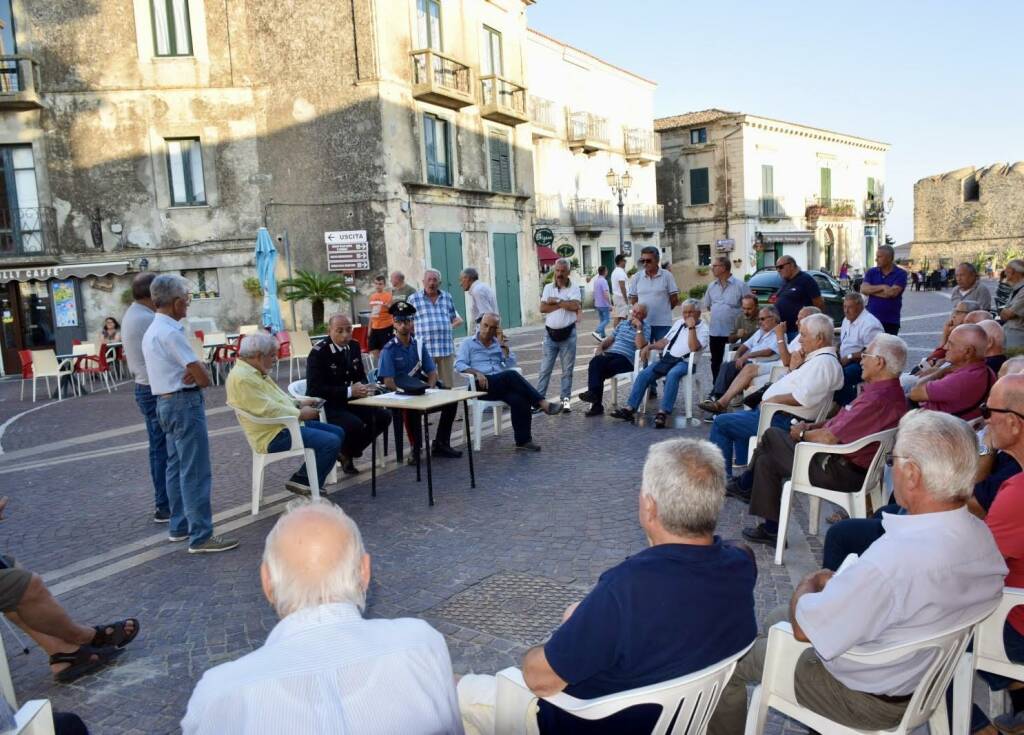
<point x="620" y="187"/>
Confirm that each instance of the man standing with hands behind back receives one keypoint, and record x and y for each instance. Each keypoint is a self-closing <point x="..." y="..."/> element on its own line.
<point x="560" y="303"/>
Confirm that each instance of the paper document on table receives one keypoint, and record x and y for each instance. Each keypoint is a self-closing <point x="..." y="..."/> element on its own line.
<point x="434" y="390"/>
<point x="401" y="396"/>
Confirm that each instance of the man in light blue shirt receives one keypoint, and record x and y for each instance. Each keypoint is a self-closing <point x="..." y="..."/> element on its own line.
<point x="176" y="378"/>
<point x="614" y="356"/>
<point x="487" y="357"/>
<point x="723" y="300"/>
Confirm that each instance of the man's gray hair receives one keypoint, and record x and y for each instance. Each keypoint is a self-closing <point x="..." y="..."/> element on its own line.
<point x="564" y="261"/>
<point x="723" y="260"/>
<point x="892" y="349"/>
<point x="651" y="249"/>
<point x="641" y="307"/>
<point x="399" y="274"/>
<point x="854" y="298"/>
<point x="686" y="480"/>
<point x="690" y="304"/>
<point x="1016" y="265"/>
<point x="995" y="333"/>
<point x="435" y="271"/>
<point x="167" y="287"/>
<point x="807" y="311"/>
<point x="471" y="273"/>
<point x="257" y="345"/>
<point x="820" y="326"/>
<point x="970" y="268"/>
<point x="1013" y="366"/>
<point x="945" y="450"/>
<point x="292" y="590"/>
<point x="771" y="311"/>
<point x="749" y="296"/>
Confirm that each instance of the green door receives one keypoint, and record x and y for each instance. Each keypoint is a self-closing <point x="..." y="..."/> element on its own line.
<point x="506" y="279"/>
<point x="608" y="261"/>
<point x="446" y="256"/>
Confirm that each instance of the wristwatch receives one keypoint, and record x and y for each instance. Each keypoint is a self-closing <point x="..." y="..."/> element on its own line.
<point x="802" y="432"/>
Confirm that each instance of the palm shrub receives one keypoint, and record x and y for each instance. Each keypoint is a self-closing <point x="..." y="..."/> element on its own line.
<point x="315" y="288"/>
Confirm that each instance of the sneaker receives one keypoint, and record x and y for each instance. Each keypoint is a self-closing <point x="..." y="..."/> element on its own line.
<point x="760" y="535"/>
<point x="587" y="397"/>
<point x="172" y="537"/>
<point x="528" y="447"/>
<point x="298" y="488"/>
<point x="566" y="405"/>
<point x="597" y="336"/>
<point x="161" y="516"/>
<point x="596" y="410"/>
<point x="537" y="409"/>
<point x="213" y="545"/>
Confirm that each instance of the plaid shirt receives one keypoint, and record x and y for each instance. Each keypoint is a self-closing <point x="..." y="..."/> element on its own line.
<point x="433" y="322"/>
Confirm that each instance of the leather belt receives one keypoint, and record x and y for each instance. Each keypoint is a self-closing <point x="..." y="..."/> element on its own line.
<point x="183" y="390"/>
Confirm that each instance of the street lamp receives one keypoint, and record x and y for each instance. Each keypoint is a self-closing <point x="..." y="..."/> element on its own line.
<point x="620" y="186"/>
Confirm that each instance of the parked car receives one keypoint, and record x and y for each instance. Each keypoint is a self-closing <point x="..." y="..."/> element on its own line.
<point x="765" y="284"/>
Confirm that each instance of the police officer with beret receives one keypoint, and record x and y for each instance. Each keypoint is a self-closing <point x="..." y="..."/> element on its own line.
<point x="335" y="372"/>
<point x="403" y="356"/>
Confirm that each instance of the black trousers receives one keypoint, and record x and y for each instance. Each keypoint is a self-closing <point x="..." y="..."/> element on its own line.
<point x="515" y="390"/>
<point x="717" y="345"/>
<point x="772" y="465"/>
<point x="601" y="368"/>
<point x="443" y="434"/>
<point x="356" y="422"/>
<point x="891" y="328"/>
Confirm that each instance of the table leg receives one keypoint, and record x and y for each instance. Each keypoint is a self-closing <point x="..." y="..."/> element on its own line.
<point x="426" y="451"/>
<point x="373" y="453"/>
<point x="417" y="451"/>
<point x="469" y="443"/>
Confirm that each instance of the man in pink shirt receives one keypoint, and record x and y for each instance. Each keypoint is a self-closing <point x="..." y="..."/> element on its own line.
<point x="962" y="387"/>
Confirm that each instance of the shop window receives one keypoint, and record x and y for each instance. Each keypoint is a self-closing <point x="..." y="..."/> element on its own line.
<point x="203" y="284"/>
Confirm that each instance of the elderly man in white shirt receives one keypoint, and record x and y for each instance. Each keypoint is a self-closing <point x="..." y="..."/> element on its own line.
<point x="754" y="360"/>
<point x="560" y="303"/>
<point x="324" y="668"/>
<point x="818" y="376"/>
<point x="481" y="296"/>
<point x="687" y="335"/>
<point x="936" y="568"/>
<point x="859" y="327"/>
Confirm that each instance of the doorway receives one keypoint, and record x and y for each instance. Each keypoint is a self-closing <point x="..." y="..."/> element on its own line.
<point x="506" y="279"/>
<point x="608" y="261"/>
<point x="26" y="320"/>
<point x="446" y="256"/>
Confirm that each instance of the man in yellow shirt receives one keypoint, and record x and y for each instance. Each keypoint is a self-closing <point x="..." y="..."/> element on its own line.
<point x="252" y="390"/>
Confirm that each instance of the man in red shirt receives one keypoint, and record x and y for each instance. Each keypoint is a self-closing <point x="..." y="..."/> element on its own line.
<point x="963" y="386"/>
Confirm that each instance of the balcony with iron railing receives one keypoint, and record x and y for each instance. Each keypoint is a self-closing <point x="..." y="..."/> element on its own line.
<point x="771" y="207"/>
<point x="586" y="132"/>
<point x="544" y="115"/>
<point x="591" y="215"/>
<point x="641" y="146"/>
<point x="502" y="101"/>
<point x="646" y="217"/>
<point x="874" y="208"/>
<point x="818" y="207"/>
<point x="28" y="232"/>
<point x="19" y="83"/>
<point x="547" y="209"/>
<point x="441" y="80"/>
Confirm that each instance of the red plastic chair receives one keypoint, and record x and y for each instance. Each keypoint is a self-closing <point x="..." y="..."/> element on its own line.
<point x="199" y="333"/>
<point x="361" y="335"/>
<point x="284" y="350"/>
<point x="25" y="356"/>
<point x="93" y="365"/>
<point x="223" y="356"/>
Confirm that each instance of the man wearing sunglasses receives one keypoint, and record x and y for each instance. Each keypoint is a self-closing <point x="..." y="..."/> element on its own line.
<point x="656" y="288"/>
<point x="799" y="290"/>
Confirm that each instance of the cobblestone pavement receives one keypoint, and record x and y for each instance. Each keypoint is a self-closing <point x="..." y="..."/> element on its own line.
<point x="491" y="568"/>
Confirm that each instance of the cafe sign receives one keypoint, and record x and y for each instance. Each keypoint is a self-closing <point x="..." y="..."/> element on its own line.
<point x="45" y="273"/>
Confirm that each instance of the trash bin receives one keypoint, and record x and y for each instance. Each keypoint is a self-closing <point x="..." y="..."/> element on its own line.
<point x="361" y="333"/>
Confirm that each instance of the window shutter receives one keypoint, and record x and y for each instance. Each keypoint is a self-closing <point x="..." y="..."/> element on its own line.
<point x="699" y="193"/>
<point x="501" y="165"/>
<point x="826" y="185"/>
<point x="767" y="180"/>
<point x="871" y="187"/>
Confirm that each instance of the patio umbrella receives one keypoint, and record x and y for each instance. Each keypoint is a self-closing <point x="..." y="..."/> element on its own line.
<point x="266" y="256"/>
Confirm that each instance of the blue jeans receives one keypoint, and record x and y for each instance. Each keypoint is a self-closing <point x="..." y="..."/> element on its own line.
<point x="157" y="446"/>
<point x="605" y="314"/>
<point x="731" y="431"/>
<point x="647" y="378"/>
<point x="565" y="352"/>
<point x="325" y="441"/>
<point x="183" y="419"/>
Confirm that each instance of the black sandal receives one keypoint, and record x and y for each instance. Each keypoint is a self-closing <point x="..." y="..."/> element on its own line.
<point x="83" y="661"/>
<point x="660" y="420"/>
<point x="117" y="636"/>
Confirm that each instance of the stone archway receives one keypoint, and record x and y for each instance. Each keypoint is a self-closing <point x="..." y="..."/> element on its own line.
<point x="829" y="248"/>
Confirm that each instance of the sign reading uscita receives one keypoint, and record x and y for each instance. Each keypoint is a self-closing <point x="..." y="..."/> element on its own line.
<point x="347" y="250"/>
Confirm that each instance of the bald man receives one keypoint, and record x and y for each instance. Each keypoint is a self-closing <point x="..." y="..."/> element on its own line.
<point x="977" y="316"/>
<point x="387" y="676"/>
<point x="960" y="388"/>
<point x="995" y="355"/>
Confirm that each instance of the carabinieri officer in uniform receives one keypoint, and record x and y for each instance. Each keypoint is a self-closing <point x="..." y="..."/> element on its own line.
<point x="404" y="356"/>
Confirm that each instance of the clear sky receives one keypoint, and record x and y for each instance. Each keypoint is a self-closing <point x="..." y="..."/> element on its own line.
<point x="941" y="82"/>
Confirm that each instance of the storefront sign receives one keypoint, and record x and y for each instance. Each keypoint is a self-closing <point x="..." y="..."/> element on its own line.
<point x="565" y="250"/>
<point x="65" y="307"/>
<point x="544" y="236"/>
<point x="627" y="248"/>
<point x="45" y="273"/>
<point x="724" y="246"/>
<point x="347" y="250"/>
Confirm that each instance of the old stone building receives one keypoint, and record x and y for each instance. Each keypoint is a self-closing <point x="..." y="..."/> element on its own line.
<point x="754" y="188"/>
<point x="161" y="134"/>
<point x="971" y="214"/>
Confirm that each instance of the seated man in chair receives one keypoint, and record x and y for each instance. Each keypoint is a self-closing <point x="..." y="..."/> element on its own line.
<point x="614" y="356"/>
<point x="754" y="359"/>
<point x="487" y="357"/>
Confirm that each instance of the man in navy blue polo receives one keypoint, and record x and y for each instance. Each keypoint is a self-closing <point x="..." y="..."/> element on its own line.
<point x="798" y="290"/>
<point x="884" y="285"/>
<point x="682" y="604"/>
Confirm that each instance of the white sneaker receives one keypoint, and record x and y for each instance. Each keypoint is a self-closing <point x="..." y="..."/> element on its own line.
<point x="597" y="336"/>
<point x="566" y="407"/>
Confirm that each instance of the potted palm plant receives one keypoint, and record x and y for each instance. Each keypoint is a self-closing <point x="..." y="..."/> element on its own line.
<point x="315" y="288"/>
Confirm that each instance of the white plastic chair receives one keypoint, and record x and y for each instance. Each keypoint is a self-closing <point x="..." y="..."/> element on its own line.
<point x="297" y="390"/>
<point x="300" y="348"/>
<point x="989" y="654"/>
<point x="248" y="329"/>
<point x="855" y="503"/>
<point x="46" y="366"/>
<point x="814" y="414"/>
<point x="687" y="702"/>
<point x="477" y="406"/>
<point x="35" y="717"/>
<point x="629" y="378"/>
<point x="687" y="384"/>
<point x="260" y="461"/>
<point x="927" y="704"/>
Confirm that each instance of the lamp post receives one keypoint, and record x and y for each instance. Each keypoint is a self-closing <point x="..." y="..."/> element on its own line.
<point x="620" y="187"/>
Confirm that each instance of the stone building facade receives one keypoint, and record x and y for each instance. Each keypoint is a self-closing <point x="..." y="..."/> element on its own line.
<point x="971" y="214"/>
<point x="754" y="188"/>
<point x="161" y="134"/>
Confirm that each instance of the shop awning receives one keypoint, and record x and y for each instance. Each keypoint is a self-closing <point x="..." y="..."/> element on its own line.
<point x="546" y="254"/>
<point x="77" y="270"/>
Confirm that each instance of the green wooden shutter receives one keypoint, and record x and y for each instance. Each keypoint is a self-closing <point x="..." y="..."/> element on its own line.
<point x="501" y="167"/>
<point x="699" y="193"/>
<point x="767" y="191"/>
<point x="826" y="186"/>
<point x="871" y="187"/>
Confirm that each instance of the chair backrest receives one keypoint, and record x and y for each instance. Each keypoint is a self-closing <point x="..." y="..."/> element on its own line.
<point x="197" y="348"/>
<point x="989" y="648"/>
<point x="83" y="348"/>
<point x="6" y="684"/>
<point x="26" y="363"/>
<point x="810" y="413"/>
<point x="298" y="389"/>
<point x="301" y="344"/>
<point x="873" y="478"/>
<point x="44" y="362"/>
<point x="248" y="329"/>
<point x="214" y="338"/>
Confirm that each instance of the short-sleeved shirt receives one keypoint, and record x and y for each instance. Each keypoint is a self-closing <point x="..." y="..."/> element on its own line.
<point x="818" y="376"/>
<point x="380" y="318"/>
<point x="601" y="293"/>
<point x="1013" y="327"/>
<point x="619" y="276"/>
<point x="763" y="340"/>
<point x="724" y="304"/>
<point x="397" y="359"/>
<point x="795" y="294"/>
<point x="961" y="391"/>
<point x="665" y="612"/>
<point x="679" y="338"/>
<point x="977" y="296"/>
<point x="256" y="393"/>
<point x="655" y="293"/>
<point x="482" y="300"/>
<point x="855" y="336"/>
<point x="433" y="322"/>
<point x="134" y="324"/>
<point x="402" y="293"/>
<point x="624" y="339"/>
<point x="168" y="353"/>
<point x="928" y="573"/>
<point x="560" y="318"/>
<point x="880" y="406"/>
<point x="1005" y="520"/>
<point x="886" y="310"/>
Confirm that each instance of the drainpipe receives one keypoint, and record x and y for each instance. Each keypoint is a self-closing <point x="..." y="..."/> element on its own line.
<point x="728" y="186"/>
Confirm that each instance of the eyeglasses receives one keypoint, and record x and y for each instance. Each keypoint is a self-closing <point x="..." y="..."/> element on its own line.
<point x="644" y="260"/>
<point x="987" y="411"/>
<point x="869" y="354"/>
<point x="891" y="457"/>
<point x="765" y="318"/>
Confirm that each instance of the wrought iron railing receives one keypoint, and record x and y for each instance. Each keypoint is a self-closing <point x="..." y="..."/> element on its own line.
<point x="639" y="142"/>
<point x="548" y="208"/>
<point x="771" y="206"/>
<point x="28" y="231"/>
<point x="437" y="70"/>
<point x="874" y="208"/>
<point x="585" y="126"/>
<point x="495" y="90"/>
<point x="830" y="207"/>
<point x="543" y="113"/>
<point x="591" y="213"/>
<point x="646" y="216"/>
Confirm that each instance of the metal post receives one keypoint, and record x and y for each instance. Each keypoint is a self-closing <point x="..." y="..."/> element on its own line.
<point x="288" y="262"/>
<point x="622" y="237"/>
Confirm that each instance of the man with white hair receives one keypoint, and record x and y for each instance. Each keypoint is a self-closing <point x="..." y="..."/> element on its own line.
<point x="435" y="319"/>
<point x="481" y="296"/>
<point x="251" y="389"/>
<point x="858" y="329"/>
<point x="615" y="355"/>
<point x="560" y="303"/>
<point x="400" y="290"/>
<point x="880" y="406"/>
<point x="324" y="668"/>
<point x="754" y="359"/>
<point x="814" y="382"/>
<point x="936" y="568"/>
<point x="995" y="355"/>
<point x="1013" y="313"/>
<point x="176" y="378"/>
<point x="680" y="605"/>
<point x="962" y="386"/>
